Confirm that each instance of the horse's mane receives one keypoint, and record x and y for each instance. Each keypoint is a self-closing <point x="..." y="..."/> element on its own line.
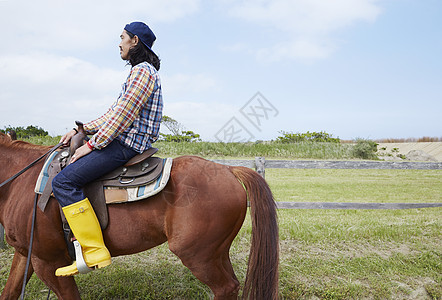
<point x="17" y="144"/>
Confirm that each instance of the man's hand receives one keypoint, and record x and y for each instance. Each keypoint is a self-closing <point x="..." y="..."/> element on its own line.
<point x="80" y="152"/>
<point x="67" y="137"/>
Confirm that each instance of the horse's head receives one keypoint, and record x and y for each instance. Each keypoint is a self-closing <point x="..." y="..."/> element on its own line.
<point x="4" y="138"/>
<point x="6" y="143"/>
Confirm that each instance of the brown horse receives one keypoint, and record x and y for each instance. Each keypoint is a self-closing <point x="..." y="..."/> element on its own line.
<point x="199" y="213"/>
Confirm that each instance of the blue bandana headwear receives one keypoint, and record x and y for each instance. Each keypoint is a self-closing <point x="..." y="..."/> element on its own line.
<point x="143" y="32"/>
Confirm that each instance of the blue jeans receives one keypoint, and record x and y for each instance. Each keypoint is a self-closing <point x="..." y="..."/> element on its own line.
<point x="68" y="185"/>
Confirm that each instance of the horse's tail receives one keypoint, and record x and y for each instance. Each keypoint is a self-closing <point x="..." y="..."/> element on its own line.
<point x="262" y="271"/>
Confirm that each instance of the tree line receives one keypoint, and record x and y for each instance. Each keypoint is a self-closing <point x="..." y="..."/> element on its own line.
<point x="24" y="133"/>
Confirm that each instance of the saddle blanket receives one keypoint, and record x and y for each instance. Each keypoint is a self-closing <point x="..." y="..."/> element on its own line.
<point x="44" y="174"/>
<point x="113" y="194"/>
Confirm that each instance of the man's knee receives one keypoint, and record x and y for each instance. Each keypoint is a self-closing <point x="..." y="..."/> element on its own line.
<point x="60" y="182"/>
<point x="56" y="184"/>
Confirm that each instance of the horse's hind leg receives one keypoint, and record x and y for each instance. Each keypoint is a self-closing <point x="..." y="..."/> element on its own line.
<point x="216" y="273"/>
<point x="14" y="284"/>
<point x="211" y="265"/>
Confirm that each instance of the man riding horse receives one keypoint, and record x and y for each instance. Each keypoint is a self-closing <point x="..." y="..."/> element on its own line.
<point x="129" y="127"/>
<point x="199" y="212"/>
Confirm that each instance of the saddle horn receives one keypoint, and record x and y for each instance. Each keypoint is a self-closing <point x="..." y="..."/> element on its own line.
<point x="79" y="139"/>
<point x="80" y="127"/>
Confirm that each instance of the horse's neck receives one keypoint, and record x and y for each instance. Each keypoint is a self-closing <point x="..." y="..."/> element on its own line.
<point x="18" y="155"/>
<point x="8" y="163"/>
<point x="11" y="160"/>
<point x="14" y="159"/>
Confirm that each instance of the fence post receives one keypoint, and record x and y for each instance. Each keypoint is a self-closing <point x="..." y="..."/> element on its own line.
<point x="2" y="237"/>
<point x="260" y="166"/>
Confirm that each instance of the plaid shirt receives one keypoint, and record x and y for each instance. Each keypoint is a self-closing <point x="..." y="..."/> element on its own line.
<point x="134" y="118"/>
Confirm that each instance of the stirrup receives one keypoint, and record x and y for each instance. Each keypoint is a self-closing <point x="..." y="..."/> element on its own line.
<point x="81" y="264"/>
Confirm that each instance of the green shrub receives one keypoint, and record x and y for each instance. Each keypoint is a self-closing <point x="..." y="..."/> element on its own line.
<point x="322" y="137"/>
<point x="365" y="149"/>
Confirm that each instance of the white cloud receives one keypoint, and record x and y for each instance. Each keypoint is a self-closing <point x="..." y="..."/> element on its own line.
<point x="309" y="25"/>
<point x="71" y="25"/>
<point x="52" y="91"/>
<point x="41" y="68"/>
<point x="306" y="16"/>
<point x="48" y="56"/>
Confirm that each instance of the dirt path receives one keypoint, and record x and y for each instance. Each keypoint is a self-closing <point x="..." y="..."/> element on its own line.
<point x="433" y="149"/>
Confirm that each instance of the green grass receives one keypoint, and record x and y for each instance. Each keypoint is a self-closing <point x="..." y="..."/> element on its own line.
<point x="43" y="140"/>
<point x="321" y="185"/>
<point x="361" y="254"/>
<point x="304" y="150"/>
<point x="325" y="254"/>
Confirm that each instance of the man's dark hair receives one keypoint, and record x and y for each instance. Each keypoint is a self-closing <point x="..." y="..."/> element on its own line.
<point x="141" y="53"/>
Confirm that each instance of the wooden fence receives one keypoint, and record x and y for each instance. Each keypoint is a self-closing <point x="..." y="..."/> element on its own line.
<point x="260" y="164"/>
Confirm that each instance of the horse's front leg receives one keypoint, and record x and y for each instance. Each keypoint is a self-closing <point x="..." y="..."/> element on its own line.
<point x="14" y="284"/>
<point x="64" y="287"/>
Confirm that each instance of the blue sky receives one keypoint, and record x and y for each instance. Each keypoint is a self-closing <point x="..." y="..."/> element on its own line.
<point x="353" y="68"/>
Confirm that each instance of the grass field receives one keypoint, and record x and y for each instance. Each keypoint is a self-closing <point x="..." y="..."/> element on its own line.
<point x="325" y="254"/>
<point x="320" y="185"/>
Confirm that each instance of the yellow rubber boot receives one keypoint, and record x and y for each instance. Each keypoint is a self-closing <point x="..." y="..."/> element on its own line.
<point x="86" y="228"/>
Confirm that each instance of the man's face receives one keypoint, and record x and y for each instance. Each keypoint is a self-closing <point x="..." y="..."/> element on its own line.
<point x="125" y="44"/>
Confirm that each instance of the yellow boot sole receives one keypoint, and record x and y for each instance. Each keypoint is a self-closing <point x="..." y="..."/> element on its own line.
<point x="67" y="271"/>
<point x="72" y="269"/>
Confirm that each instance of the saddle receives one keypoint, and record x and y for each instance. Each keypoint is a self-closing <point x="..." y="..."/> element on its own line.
<point x="113" y="187"/>
<point x="141" y="177"/>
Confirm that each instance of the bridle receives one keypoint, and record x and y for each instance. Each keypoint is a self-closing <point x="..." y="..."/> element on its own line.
<point x="28" y="260"/>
